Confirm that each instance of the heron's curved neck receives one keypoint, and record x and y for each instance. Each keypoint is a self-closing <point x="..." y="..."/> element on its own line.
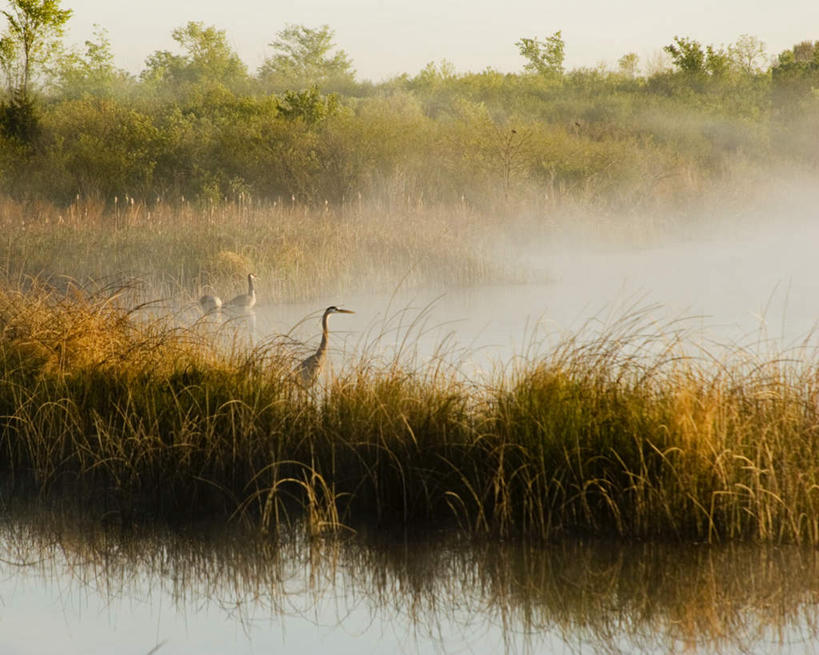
<point x="324" y="334"/>
<point x="251" y="290"/>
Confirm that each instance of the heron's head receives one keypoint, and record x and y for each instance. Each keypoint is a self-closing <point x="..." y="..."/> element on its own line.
<point x="332" y="309"/>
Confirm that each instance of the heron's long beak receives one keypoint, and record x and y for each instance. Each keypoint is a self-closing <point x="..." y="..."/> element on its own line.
<point x="345" y="311"/>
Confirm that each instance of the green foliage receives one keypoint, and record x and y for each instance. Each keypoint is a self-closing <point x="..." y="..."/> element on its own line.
<point x="92" y="72"/>
<point x="544" y="57"/>
<point x="794" y="80"/>
<point x="687" y="55"/>
<point x="436" y="75"/>
<point x="206" y="60"/>
<point x="201" y="128"/>
<point x="19" y="118"/>
<point x="31" y="39"/>
<point x="101" y="147"/>
<point x="309" y="106"/>
<point x="690" y="58"/>
<point x="717" y="61"/>
<point x="795" y="75"/>
<point x="303" y="60"/>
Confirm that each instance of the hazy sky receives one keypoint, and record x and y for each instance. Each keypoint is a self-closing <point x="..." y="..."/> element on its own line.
<point x="389" y="37"/>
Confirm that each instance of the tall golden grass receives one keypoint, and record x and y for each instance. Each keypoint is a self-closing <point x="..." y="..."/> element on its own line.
<point x="615" y="434"/>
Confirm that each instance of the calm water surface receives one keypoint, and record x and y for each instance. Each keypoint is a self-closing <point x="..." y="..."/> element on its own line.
<point x="755" y="287"/>
<point x="73" y="589"/>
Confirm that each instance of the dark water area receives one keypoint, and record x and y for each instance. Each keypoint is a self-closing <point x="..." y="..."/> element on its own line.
<point x="71" y="586"/>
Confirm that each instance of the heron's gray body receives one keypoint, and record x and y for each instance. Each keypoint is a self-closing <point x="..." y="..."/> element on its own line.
<point x="309" y="369"/>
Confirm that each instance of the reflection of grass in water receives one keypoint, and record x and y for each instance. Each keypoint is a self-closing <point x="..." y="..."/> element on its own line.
<point x="603" y="595"/>
<point x="606" y="435"/>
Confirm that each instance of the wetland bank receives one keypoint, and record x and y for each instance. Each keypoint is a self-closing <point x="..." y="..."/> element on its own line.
<point x="576" y="407"/>
<point x="637" y="425"/>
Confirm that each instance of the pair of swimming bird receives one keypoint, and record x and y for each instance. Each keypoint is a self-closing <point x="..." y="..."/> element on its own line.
<point x="244" y="302"/>
<point x="308" y="370"/>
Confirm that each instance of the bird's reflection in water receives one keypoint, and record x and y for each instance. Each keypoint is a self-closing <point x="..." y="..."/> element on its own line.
<point x="240" y="329"/>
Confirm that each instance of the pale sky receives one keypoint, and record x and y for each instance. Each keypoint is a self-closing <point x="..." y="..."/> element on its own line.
<point x="389" y="37"/>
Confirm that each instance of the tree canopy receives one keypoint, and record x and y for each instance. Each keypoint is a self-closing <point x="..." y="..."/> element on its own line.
<point x="305" y="57"/>
<point x="691" y="58"/>
<point x="544" y="57"/>
<point x="91" y="72"/>
<point x="196" y="123"/>
<point x="31" y="39"/>
<point x="207" y="58"/>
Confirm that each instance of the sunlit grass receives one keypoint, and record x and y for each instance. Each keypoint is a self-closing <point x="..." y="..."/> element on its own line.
<point x="615" y="433"/>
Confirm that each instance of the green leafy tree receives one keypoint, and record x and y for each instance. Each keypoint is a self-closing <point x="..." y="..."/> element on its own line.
<point x="544" y="57"/>
<point x="19" y="118"/>
<point x="692" y="59"/>
<point x="717" y="61"/>
<point x="687" y="55"/>
<point x="206" y="58"/>
<point x="31" y="40"/>
<point x="433" y="74"/>
<point x="93" y="72"/>
<point x="97" y="146"/>
<point x="304" y="58"/>
<point x="804" y="53"/>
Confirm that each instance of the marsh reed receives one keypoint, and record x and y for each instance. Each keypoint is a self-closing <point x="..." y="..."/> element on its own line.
<point x="298" y="251"/>
<point x="619" y="434"/>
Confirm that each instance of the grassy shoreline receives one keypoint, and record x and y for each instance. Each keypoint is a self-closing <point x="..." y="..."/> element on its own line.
<point x="139" y="420"/>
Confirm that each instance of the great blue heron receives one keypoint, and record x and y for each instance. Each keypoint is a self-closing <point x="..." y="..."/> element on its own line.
<point x="245" y="301"/>
<point x="308" y="371"/>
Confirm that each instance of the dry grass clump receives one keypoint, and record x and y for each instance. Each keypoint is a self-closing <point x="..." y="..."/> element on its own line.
<point x="616" y="434"/>
<point x="65" y="334"/>
<point x="665" y="445"/>
<point x="96" y="401"/>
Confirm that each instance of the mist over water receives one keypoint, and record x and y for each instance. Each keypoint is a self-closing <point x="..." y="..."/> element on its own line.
<point x="457" y="215"/>
<point x="742" y="283"/>
<point x="745" y="284"/>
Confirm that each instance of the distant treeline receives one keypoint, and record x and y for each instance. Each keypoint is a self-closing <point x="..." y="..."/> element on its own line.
<point x="196" y="124"/>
